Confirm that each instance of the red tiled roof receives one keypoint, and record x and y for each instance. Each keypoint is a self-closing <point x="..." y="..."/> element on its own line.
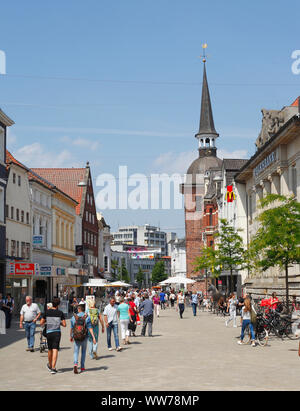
<point x="66" y="179"/>
<point x="11" y="159"/>
<point x="296" y="102"/>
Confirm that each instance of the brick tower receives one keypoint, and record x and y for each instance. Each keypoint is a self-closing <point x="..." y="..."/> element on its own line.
<point x="201" y="218"/>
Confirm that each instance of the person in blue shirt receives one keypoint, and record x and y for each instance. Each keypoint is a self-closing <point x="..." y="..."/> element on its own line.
<point x="162" y="300"/>
<point x="81" y="344"/>
<point x="194" y="299"/>
<point x="146" y="309"/>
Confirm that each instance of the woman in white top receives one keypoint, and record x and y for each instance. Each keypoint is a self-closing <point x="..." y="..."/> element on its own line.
<point x="231" y="307"/>
<point x="180" y="303"/>
<point x="246" y="315"/>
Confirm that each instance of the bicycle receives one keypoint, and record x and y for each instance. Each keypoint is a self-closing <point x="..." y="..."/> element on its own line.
<point x="260" y="331"/>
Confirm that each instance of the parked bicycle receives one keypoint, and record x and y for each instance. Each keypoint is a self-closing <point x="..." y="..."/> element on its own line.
<point x="260" y="330"/>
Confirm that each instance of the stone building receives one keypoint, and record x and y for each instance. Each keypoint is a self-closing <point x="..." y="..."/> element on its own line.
<point x="274" y="168"/>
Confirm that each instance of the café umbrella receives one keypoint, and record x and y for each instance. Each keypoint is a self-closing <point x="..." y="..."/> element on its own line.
<point x="117" y="284"/>
<point x="177" y="280"/>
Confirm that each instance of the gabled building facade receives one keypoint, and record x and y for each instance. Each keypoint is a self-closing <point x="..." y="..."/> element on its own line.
<point x="5" y="122"/>
<point x="77" y="184"/>
<point x="20" y="268"/>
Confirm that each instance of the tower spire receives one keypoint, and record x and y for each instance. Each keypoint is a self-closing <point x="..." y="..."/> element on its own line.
<point x="207" y="132"/>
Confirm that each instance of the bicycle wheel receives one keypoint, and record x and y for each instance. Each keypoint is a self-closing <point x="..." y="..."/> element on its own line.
<point x="262" y="337"/>
<point x="247" y="335"/>
<point x="289" y="332"/>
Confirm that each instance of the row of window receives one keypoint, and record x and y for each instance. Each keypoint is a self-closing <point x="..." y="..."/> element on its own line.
<point x="18" y="249"/>
<point x="90" y="199"/>
<point x="152" y="235"/>
<point x="40" y="198"/>
<point x="90" y="238"/>
<point x="15" y="179"/>
<point x="64" y="235"/>
<point x="89" y="217"/>
<point x="17" y="214"/>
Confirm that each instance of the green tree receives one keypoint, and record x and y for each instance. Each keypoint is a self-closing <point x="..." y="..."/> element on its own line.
<point x="140" y="278"/>
<point x="158" y="273"/>
<point x="208" y="261"/>
<point x="276" y="242"/>
<point x="124" y="275"/>
<point x="231" y="254"/>
<point x="114" y="269"/>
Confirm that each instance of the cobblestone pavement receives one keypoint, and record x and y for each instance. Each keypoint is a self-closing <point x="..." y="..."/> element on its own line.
<point x="195" y="353"/>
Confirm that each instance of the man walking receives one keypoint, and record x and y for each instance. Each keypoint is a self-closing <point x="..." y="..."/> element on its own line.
<point x="29" y="313"/>
<point x="80" y="325"/>
<point x="162" y="300"/>
<point x="111" y="321"/>
<point x="53" y="318"/>
<point x="194" y="302"/>
<point x="146" y="309"/>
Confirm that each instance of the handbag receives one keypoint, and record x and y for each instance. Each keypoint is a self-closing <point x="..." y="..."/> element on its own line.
<point x="253" y="316"/>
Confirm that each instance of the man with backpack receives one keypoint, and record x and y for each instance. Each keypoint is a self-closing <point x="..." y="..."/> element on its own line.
<point x="80" y="325"/>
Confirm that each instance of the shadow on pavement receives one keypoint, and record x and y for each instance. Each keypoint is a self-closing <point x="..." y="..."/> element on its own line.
<point x="105" y="356"/>
<point x="13" y="334"/>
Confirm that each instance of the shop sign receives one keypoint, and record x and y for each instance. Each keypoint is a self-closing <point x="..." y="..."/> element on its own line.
<point x="265" y="163"/>
<point x="60" y="271"/>
<point x="45" y="270"/>
<point x="229" y="196"/>
<point x="24" y="269"/>
<point x="38" y="240"/>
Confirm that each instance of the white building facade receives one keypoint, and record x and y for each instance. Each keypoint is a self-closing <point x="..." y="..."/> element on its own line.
<point x="274" y="168"/>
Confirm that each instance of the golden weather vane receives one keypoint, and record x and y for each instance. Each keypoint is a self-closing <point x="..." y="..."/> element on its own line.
<point x="203" y="56"/>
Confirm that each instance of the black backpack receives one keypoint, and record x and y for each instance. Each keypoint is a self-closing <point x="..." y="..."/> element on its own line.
<point x="80" y="330"/>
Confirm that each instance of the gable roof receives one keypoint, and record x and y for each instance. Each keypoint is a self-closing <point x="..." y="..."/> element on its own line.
<point x="33" y="176"/>
<point x="11" y="159"/>
<point x="67" y="180"/>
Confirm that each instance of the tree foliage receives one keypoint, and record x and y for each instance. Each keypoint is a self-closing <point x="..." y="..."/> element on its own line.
<point x="276" y="242"/>
<point x="231" y="250"/>
<point x="158" y="273"/>
<point x="140" y="278"/>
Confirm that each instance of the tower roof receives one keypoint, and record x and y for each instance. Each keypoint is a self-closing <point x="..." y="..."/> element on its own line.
<point x="206" y="117"/>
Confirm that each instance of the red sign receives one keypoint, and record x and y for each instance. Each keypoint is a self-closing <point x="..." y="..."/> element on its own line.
<point x="230" y="196"/>
<point x="24" y="269"/>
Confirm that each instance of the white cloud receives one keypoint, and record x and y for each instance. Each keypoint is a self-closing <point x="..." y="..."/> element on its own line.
<point x="11" y="139"/>
<point x="221" y="153"/>
<point x="81" y="142"/>
<point x="171" y="162"/>
<point x="34" y="155"/>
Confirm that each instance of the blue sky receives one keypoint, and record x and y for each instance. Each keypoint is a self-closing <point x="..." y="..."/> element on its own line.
<point x="119" y="82"/>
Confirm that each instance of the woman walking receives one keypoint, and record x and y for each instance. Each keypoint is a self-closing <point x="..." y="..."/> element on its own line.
<point x="125" y="317"/>
<point x="133" y="311"/>
<point x="246" y="316"/>
<point x="156" y="302"/>
<point x="231" y="307"/>
<point x="180" y="303"/>
<point x="95" y="317"/>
